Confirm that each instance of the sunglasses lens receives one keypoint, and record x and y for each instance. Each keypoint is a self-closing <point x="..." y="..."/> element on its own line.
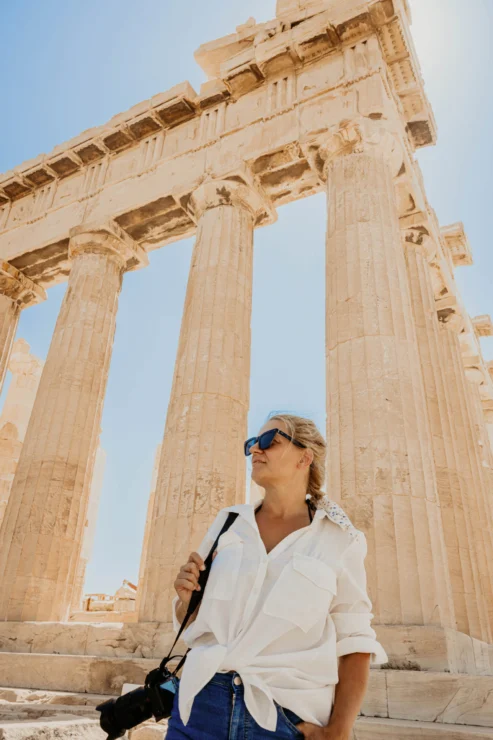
<point x="265" y="439"/>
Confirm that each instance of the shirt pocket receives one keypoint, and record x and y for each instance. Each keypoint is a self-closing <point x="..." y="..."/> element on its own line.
<point x="225" y="567"/>
<point x="303" y="592"/>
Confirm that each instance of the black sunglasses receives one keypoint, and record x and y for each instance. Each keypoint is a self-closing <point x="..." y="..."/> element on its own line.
<point x="265" y="440"/>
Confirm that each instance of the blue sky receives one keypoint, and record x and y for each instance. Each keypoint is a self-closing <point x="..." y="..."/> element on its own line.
<point x="72" y="65"/>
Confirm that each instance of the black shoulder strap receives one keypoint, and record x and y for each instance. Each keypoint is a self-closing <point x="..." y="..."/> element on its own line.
<point x="197" y="595"/>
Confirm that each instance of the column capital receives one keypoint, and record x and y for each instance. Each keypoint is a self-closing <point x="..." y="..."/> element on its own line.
<point x="107" y="236"/>
<point x="19" y="288"/>
<point x="358" y="136"/>
<point x="223" y="192"/>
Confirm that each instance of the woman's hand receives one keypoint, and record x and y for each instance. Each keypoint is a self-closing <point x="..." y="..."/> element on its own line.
<point x="315" y="732"/>
<point x="187" y="580"/>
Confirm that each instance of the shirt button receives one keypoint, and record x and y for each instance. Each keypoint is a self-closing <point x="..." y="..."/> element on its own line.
<point x="237" y="680"/>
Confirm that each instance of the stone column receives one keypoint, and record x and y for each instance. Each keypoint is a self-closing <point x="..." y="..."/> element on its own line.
<point x="16" y="292"/>
<point x="380" y="454"/>
<point x="202" y="464"/>
<point x="469" y="470"/>
<point x="441" y="400"/>
<point x="147" y="529"/>
<point x="89" y="529"/>
<point x="41" y="535"/>
<point x="26" y="374"/>
<point x="488" y="416"/>
<point x="482" y="466"/>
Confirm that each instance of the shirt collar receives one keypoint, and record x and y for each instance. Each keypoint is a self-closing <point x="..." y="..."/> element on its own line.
<point x="325" y="508"/>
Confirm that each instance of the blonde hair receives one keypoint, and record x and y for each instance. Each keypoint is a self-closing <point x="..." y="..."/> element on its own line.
<point x="305" y="431"/>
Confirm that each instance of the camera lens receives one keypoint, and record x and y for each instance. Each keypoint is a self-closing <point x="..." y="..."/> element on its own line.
<point x="120" y="715"/>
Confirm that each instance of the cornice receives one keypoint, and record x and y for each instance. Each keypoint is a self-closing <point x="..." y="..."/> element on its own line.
<point x="239" y="63"/>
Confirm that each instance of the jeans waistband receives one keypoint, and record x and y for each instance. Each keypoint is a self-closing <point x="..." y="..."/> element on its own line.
<point x="224" y="678"/>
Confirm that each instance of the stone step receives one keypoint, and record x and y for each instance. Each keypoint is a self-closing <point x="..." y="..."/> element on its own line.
<point x="438" y="698"/>
<point x="414" y="695"/>
<point x="67" y="729"/>
<point x="117" y="640"/>
<point x="34" y="696"/>
<point x="72" y="673"/>
<point x="430" y="697"/>
<point x="367" y="728"/>
<point x="29" y="712"/>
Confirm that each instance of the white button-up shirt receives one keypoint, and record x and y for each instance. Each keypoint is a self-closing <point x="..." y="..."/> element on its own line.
<point x="280" y="619"/>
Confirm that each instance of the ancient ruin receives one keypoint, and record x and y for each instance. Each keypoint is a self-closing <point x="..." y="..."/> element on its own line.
<point x="328" y="96"/>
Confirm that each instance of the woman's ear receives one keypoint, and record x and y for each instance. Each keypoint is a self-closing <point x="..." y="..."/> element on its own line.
<point x="306" y="458"/>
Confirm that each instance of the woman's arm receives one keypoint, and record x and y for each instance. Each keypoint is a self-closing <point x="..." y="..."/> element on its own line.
<point x="181" y="610"/>
<point x="354" y="672"/>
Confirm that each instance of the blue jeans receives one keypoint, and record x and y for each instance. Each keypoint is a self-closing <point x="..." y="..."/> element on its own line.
<point x="219" y="713"/>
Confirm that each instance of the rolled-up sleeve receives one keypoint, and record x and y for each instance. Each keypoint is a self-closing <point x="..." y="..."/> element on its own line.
<point x="351" y="607"/>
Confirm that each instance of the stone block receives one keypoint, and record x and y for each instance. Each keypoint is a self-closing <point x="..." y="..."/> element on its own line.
<point x="74" y="729"/>
<point x="72" y="673"/>
<point x="149" y="732"/>
<point x="433" y="649"/>
<point x="440" y="697"/>
<point x="145" y="639"/>
<point x="380" y="729"/>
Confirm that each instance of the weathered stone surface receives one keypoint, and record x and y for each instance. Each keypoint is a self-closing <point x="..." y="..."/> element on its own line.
<point x="470" y="596"/>
<point x="67" y="729"/>
<point x="90" y="527"/>
<point x="211" y="382"/>
<point x="145" y="640"/>
<point x="26" y="374"/>
<point x="384" y="480"/>
<point x="42" y="531"/>
<point x="77" y="673"/>
<point x="377" y="729"/>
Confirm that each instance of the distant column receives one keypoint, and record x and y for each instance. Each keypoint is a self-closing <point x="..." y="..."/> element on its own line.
<point x="202" y="463"/>
<point x="482" y="462"/>
<point x="441" y="399"/>
<point x="41" y="535"/>
<point x="147" y="529"/>
<point x="89" y="529"/>
<point x="473" y="543"/>
<point x="16" y="293"/>
<point x="26" y="374"/>
<point x="380" y="454"/>
<point x="488" y="415"/>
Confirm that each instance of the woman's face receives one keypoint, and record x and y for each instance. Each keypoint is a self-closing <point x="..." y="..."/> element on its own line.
<point x="281" y="461"/>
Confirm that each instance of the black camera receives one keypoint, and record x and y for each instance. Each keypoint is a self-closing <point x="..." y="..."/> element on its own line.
<point x="154" y="699"/>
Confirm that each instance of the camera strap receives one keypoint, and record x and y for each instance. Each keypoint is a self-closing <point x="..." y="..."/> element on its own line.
<point x="197" y="595"/>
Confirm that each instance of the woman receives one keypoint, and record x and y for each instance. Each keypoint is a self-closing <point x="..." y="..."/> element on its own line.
<point x="282" y="640"/>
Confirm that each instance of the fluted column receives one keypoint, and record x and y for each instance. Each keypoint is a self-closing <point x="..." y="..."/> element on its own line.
<point x="488" y="415"/>
<point x="89" y="529"/>
<point x="441" y="399"/>
<point x="482" y="468"/>
<point x="16" y="292"/>
<point x="41" y="535"/>
<point x="26" y="374"/>
<point x="147" y="528"/>
<point x="380" y="453"/>
<point x="469" y="471"/>
<point x="202" y="464"/>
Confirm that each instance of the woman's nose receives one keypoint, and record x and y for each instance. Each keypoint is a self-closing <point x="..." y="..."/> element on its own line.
<point x="255" y="447"/>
